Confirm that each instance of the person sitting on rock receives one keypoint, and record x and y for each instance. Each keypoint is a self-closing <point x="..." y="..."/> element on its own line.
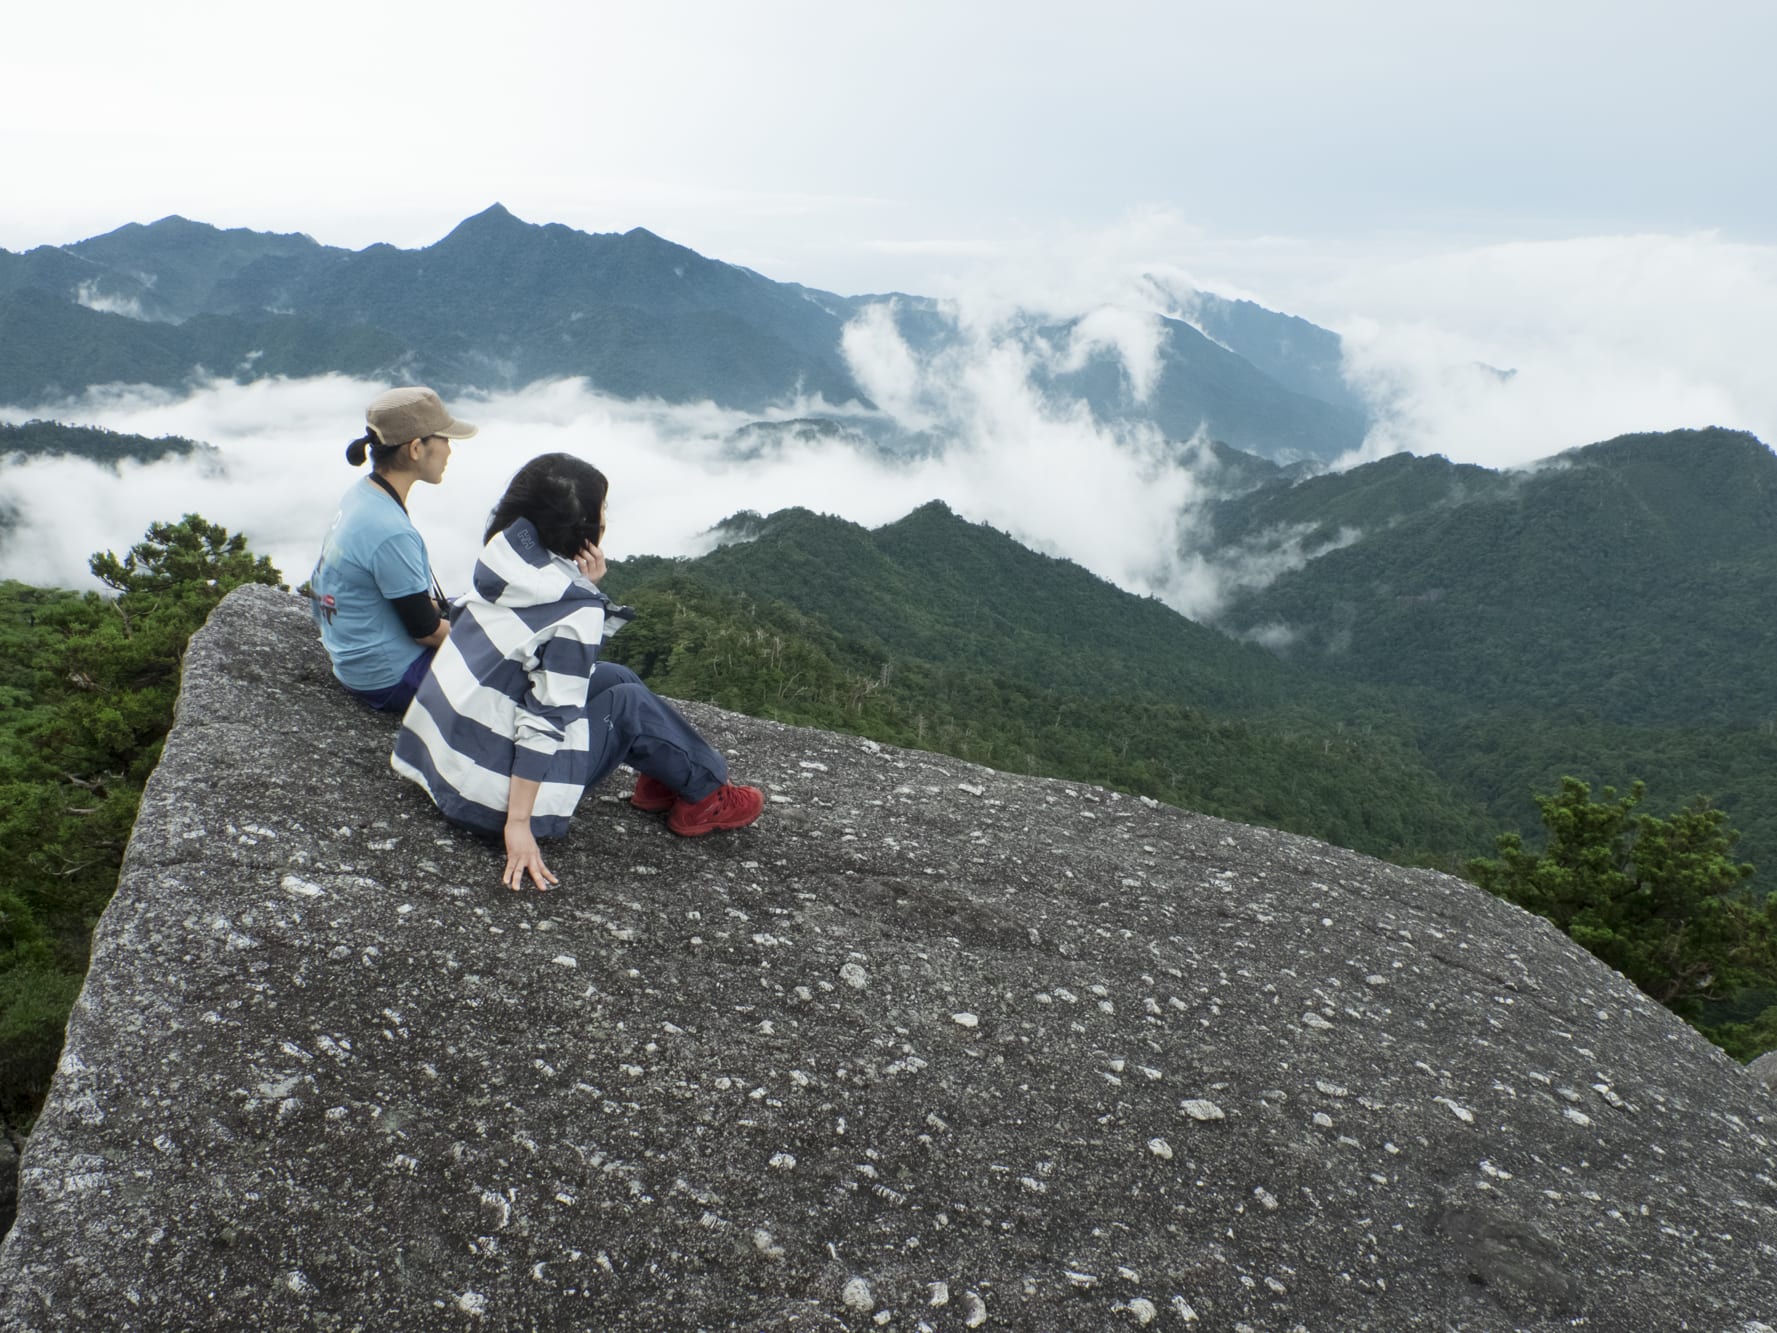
<point x="517" y="716"/>
<point x="380" y="610"/>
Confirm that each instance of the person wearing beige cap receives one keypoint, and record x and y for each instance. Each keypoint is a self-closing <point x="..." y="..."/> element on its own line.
<point x="379" y="608"/>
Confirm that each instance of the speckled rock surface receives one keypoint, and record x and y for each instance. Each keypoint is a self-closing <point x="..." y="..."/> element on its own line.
<point x="9" y="1179"/>
<point x="1764" y="1068"/>
<point x="928" y="1047"/>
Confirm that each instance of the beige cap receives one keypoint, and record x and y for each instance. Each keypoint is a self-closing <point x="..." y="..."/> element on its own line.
<point x="413" y="413"/>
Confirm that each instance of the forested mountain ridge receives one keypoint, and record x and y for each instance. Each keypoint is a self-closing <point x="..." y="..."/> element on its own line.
<point x="53" y="439"/>
<point x="499" y="303"/>
<point x="1634" y="580"/>
<point x="1609" y="614"/>
<point x="938" y="632"/>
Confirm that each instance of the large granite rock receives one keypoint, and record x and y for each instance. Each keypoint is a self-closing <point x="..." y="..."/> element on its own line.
<point x="1764" y="1068"/>
<point x="928" y="1047"/>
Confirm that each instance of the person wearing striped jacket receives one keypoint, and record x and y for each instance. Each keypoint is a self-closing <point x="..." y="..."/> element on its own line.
<point x="518" y="716"/>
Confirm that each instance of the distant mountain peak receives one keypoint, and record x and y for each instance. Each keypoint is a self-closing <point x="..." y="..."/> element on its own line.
<point x="494" y="220"/>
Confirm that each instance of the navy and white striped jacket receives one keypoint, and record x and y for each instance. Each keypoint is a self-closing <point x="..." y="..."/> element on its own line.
<point x="506" y="695"/>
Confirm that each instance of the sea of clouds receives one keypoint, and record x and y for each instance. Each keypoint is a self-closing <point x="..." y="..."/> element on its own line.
<point x="1602" y="336"/>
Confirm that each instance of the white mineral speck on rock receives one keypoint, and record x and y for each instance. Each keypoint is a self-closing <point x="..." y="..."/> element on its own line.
<point x="971" y="788"/>
<point x="976" y="1307"/>
<point x="965" y="1020"/>
<point x="301" y="887"/>
<point x="854" y="976"/>
<point x="1322" y="1119"/>
<point x="1143" y="1310"/>
<point x="1182" y="1308"/>
<point x="1462" y="1113"/>
<point x="783" y="1161"/>
<point x="814" y="766"/>
<point x="1314" y="1020"/>
<point x="298" y="1282"/>
<point x="1577" y="1116"/>
<point x="766" y="1244"/>
<point x="1331" y="1089"/>
<point x="1198" y="1109"/>
<point x="472" y="1303"/>
<point x="940" y="1292"/>
<point x="856" y="1294"/>
<point x="1161" y="1149"/>
<point x="565" y="960"/>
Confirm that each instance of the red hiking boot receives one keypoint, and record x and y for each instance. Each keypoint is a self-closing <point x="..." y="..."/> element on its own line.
<point x="652" y="795"/>
<point x="727" y="806"/>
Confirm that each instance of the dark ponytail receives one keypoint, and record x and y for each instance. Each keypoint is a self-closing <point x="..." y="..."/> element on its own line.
<point x="563" y="497"/>
<point x="380" y="454"/>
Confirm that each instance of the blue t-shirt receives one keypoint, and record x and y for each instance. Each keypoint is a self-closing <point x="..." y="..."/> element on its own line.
<point x="372" y="553"/>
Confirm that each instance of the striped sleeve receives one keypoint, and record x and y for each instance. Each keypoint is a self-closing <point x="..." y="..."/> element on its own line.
<point x="557" y="690"/>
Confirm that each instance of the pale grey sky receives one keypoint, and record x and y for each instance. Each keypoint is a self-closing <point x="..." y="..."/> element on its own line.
<point x="865" y="146"/>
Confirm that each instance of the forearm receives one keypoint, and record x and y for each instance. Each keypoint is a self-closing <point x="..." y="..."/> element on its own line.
<point x="436" y="637"/>
<point x="521" y="799"/>
<point x="522" y="856"/>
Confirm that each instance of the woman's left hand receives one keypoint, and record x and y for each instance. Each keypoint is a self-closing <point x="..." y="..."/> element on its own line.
<point x="592" y="562"/>
<point x="523" y="857"/>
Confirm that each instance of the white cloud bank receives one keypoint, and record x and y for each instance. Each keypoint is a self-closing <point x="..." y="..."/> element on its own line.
<point x="1047" y="474"/>
<point x="1607" y="336"/>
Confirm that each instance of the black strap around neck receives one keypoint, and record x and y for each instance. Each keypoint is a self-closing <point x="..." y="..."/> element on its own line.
<point x="394" y="495"/>
<point x="437" y="588"/>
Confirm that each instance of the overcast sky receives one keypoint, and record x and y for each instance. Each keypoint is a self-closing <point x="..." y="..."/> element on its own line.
<point x="1577" y="190"/>
<point x="866" y="146"/>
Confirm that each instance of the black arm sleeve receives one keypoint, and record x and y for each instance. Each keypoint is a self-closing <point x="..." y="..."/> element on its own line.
<point x="418" y="612"/>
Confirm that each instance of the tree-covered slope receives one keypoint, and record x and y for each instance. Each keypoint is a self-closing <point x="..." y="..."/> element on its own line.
<point x="936" y="587"/>
<point x="1634" y="580"/>
<point x="52" y="348"/>
<point x="171" y="269"/>
<point x="1301" y="356"/>
<point x="1608" y="616"/>
<point x="1200" y="385"/>
<point x="948" y="635"/>
<point x="53" y="439"/>
<point x="1363" y="500"/>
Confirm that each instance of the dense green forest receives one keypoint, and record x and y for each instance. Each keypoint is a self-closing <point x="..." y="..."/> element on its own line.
<point x="44" y="439"/>
<point x="87" y="685"/>
<point x="1608" y="614"/>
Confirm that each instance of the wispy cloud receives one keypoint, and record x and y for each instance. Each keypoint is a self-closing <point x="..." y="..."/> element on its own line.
<point x="1606" y="335"/>
<point x="1117" y="499"/>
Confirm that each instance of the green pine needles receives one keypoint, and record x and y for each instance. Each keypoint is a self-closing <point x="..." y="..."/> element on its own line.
<point x="87" y="686"/>
<point x="1660" y="899"/>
